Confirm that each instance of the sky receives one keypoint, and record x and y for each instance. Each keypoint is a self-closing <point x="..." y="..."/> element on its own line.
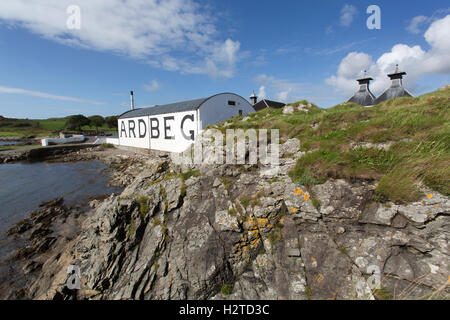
<point x="60" y="57"/>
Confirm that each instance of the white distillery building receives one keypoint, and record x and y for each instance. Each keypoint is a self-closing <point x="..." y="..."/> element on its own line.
<point x="173" y="127"/>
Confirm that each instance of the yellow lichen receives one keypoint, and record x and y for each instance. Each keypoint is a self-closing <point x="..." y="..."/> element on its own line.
<point x="319" y="277"/>
<point x="262" y="221"/>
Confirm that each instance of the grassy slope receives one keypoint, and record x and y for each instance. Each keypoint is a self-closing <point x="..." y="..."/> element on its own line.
<point x="420" y="154"/>
<point x="37" y="128"/>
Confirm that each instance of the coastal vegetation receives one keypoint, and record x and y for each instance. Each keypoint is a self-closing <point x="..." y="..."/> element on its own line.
<point x="402" y="143"/>
<point x="34" y="128"/>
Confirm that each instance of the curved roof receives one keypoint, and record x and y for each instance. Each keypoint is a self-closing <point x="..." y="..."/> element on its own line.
<point x="166" y="108"/>
<point x="169" y="108"/>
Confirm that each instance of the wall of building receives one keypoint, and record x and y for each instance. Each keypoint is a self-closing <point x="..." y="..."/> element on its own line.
<point x="134" y="132"/>
<point x="172" y="132"/>
<point x="175" y="132"/>
<point x="217" y="109"/>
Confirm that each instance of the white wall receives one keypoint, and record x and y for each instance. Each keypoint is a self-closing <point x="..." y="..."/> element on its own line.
<point x="139" y="137"/>
<point x="173" y="134"/>
<point x="166" y="132"/>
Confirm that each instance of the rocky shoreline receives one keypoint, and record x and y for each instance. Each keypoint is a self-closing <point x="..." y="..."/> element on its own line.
<point x="239" y="232"/>
<point x="54" y="225"/>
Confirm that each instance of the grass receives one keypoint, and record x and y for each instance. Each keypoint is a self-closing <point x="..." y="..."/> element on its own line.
<point x="143" y="206"/>
<point x="382" y="294"/>
<point x="417" y="128"/>
<point x="107" y="145"/>
<point x="17" y="146"/>
<point x="190" y="173"/>
<point x="315" y="202"/>
<point x="227" y="289"/>
<point x="131" y="229"/>
<point x="35" y="128"/>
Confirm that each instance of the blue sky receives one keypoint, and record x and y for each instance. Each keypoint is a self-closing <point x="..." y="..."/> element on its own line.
<point x="183" y="49"/>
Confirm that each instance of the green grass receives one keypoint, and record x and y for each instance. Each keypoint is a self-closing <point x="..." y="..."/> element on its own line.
<point x="10" y="127"/>
<point x="227" y="289"/>
<point x="17" y="146"/>
<point x="382" y="294"/>
<point x="315" y="202"/>
<point x="190" y="173"/>
<point x="419" y="129"/>
<point x="143" y="206"/>
<point x="107" y="145"/>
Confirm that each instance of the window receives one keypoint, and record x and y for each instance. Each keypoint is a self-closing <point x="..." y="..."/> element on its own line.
<point x="231" y="103"/>
<point x="240" y="112"/>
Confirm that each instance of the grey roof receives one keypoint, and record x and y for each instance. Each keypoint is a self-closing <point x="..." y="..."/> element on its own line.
<point x="264" y="103"/>
<point x="166" y="108"/>
<point x="363" y="96"/>
<point x="396" y="90"/>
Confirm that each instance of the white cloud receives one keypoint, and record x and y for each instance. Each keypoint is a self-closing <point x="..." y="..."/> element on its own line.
<point x="348" y="12"/>
<point x="282" y="89"/>
<point x="283" y="95"/>
<point x="177" y="35"/>
<point x="418" y="22"/>
<point x="414" y="60"/>
<point x="152" y="87"/>
<point x="262" y="93"/>
<point x="336" y="49"/>
<point x="44" y="95"/>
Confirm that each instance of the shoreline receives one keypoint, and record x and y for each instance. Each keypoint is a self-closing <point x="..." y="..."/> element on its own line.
<point x="46" y="231"/>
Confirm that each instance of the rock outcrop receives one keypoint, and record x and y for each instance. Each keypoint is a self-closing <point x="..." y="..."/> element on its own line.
<point x="179" y="234"/>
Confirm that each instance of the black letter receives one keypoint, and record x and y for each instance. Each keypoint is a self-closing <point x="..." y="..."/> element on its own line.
<point x="166" y="128"/>
<point x="191" y="117"/>
<point x="142" y="135"/>
<point x="131" y="128"/>
<point x="154" y="128"/>
<point x="122" y="128"/>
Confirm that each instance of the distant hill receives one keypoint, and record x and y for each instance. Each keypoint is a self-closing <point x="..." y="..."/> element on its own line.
<point x="37" y="127"/>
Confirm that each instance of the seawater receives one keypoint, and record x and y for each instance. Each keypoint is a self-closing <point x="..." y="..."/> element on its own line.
<point x="23" y="186"/>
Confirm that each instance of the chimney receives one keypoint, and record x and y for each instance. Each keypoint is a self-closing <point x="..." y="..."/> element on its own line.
<point x="253" y="98"/>
<point x="363" y="96"/>
<point x="132" y="100"/>
<point x="396" y="77"/>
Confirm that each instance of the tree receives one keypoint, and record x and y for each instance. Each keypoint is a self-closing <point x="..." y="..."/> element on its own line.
<point x="75" y="122"/>
<point x="111" y="121"/>
<point x="96" y="121"/>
